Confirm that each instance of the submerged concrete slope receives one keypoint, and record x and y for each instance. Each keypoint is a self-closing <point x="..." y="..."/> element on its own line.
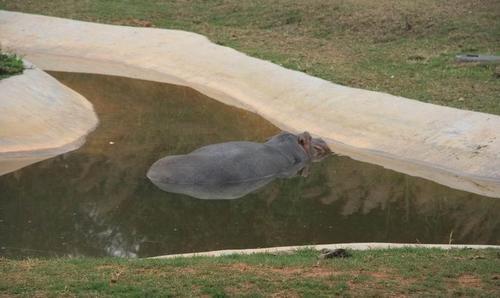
<point x="40" y="118"/>
<point x="454" y="147"/>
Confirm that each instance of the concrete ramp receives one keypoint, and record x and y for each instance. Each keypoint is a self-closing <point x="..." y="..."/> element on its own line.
<point x="457" y="148"/>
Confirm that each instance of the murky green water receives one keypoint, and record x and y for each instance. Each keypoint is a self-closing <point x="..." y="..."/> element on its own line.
<point x="97" y="201"/>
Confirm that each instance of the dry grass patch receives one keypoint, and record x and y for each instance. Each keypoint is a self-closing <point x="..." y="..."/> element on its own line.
<point x="468" y="280"/>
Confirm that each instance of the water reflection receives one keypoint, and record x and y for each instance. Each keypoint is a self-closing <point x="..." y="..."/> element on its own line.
<point x="97" y="201"/>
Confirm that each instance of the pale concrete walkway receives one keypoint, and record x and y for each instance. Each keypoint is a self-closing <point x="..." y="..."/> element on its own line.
<point x="40" y="118"/>
<point x="454" y="147"/>
<point x="353" y="246"/>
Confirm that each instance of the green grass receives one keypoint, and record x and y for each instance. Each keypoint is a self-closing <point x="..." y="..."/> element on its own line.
<point x="404" y="48"/>
<point x="399" y="272"/>
<point x="10" y="65"/>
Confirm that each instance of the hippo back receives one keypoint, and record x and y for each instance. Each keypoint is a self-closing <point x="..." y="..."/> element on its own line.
<point x="226" y="170"/>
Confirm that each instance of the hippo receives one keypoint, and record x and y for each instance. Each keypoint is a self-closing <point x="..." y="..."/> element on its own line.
<point x="233" y="169"/>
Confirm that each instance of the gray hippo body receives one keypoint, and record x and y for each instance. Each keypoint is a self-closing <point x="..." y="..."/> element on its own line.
<point x="231" y="170"/>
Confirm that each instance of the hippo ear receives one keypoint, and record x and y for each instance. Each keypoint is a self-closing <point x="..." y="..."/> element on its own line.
<point x="304" y="138"/>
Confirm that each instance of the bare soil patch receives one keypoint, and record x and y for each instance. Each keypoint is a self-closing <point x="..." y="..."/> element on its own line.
<point x="469" y="281"/>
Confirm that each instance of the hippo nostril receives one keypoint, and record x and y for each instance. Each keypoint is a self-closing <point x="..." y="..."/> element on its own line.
<point x="324" y="149"/>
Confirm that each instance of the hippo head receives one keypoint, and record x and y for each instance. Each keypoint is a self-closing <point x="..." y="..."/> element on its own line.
<point x="316" y="148"/>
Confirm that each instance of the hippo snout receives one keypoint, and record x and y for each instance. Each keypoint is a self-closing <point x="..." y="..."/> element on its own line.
<point x="320" y="150"/>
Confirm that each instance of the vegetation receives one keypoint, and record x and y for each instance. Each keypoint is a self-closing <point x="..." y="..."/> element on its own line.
<point x="10" y="65"/>
<point x="400" y="272"/>
<point x="405" y="48"/>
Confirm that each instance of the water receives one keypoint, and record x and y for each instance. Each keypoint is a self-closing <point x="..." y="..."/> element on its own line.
<point x="96" y="201"/>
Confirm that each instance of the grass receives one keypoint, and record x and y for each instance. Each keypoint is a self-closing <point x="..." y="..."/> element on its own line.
<point x="404" y="48"/>
<point x="10" y="65"/>
<point x="398" y="272"/>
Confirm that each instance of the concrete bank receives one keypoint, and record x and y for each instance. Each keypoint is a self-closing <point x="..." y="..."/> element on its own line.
<point x="457" y="148"/>
<point x="39" y="119"/>
<point x="352" y="246"/>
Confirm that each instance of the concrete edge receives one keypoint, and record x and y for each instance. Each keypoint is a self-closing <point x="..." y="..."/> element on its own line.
<point x="352" y="246"/>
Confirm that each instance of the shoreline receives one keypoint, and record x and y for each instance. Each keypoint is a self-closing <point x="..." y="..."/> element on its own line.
<point x="351" y="246"/>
